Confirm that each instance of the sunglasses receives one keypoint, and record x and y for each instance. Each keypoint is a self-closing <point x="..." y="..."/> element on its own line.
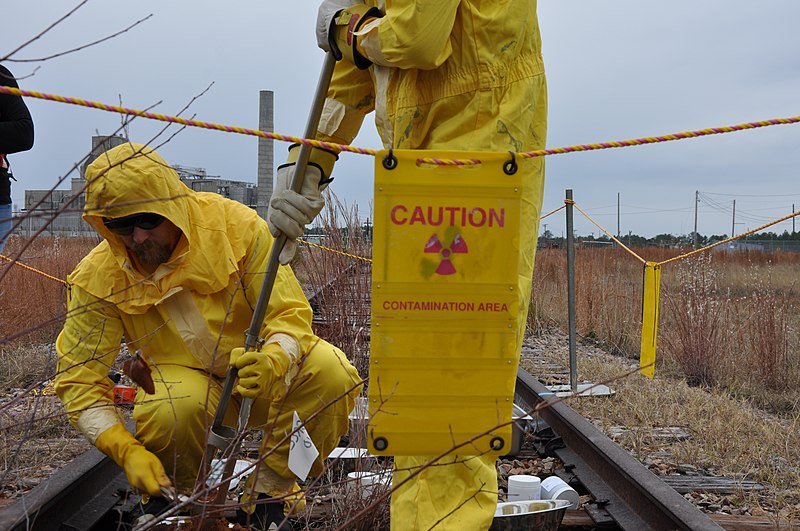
<point x="124" y="226"/>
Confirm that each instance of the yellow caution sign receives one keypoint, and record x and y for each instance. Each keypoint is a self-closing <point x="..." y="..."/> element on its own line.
<point x="444" y="303"/>
<point x="652" y="286"/>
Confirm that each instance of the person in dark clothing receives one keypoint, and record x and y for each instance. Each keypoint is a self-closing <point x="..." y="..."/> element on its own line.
<point x="16" y="134"/>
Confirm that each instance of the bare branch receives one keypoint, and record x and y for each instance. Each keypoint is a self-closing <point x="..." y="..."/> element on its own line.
<point x="73" y="50"/>
<point x="42" y="33"/>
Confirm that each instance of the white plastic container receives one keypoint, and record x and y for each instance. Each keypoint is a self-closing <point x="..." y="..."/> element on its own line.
<point x="522" y="488"/>
<point x="342" y="461"/>
<point x="555" y="488"/>
<point x="366" y="484"/>
<point x="348" y="453"/>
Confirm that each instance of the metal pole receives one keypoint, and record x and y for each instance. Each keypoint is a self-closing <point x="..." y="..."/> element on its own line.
<point x="222" y="437"/>
<point x="696" y="202"/>
<point x="733" y="220"/>
<point x="573" y="363"/>
<point x="793" y="231"/>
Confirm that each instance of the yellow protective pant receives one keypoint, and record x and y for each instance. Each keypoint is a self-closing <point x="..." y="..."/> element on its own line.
<point x="173" y="424"/>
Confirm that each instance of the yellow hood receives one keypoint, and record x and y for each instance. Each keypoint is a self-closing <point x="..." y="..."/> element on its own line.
<point x="133" y="178"/>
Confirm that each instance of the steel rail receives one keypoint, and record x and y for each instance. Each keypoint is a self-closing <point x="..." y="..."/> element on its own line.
<point x="623" y="488"/>
<point x="79" y="497"/>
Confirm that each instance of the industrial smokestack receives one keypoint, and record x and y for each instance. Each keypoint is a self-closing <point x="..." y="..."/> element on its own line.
<point x="266" y="151"/>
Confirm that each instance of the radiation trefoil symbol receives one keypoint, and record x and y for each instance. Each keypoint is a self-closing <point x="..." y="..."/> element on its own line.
<point x="434" y="245"/>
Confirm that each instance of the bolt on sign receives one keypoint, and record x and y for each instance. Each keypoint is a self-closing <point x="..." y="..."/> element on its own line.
<point x="443" y="359"/>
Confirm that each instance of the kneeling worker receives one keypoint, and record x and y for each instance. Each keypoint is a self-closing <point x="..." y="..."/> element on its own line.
<point x="177" y="276"/>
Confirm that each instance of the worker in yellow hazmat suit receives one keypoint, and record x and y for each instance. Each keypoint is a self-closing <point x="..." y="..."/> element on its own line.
<point x="439" y="74"/>
<point x="177" y="276"/>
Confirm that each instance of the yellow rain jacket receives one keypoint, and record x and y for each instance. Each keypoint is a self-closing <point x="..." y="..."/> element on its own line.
<point x="188" y="315"/>
<point x="462" y="75"/>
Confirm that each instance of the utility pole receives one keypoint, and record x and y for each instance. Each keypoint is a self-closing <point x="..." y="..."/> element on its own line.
<point x="618" y="215"/>
<point x="793" y="231"/>
<point x="733" y="221"/>
<point x="696" y="202"/>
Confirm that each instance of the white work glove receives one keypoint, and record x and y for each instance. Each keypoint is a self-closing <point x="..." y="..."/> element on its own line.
<point x="338" y="22"/>
<point x="327" y="10"/>
<point x="289" y="211"/>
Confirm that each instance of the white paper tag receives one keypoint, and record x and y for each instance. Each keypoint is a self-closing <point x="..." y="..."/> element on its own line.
<point x="302" y="451"/>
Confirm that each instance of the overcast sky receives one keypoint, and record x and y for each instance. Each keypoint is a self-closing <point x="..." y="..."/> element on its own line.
<point x="616" y="70"/>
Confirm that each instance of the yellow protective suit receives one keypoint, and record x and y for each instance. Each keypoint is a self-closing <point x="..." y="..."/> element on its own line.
<point x="460" y="75"/>
<point x="186" y="318"/>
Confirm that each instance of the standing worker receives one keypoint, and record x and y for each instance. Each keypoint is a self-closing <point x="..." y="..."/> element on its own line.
<point x="177" y="276"/>
<point x="439" y="74"/>
<point x="16" y="134"/>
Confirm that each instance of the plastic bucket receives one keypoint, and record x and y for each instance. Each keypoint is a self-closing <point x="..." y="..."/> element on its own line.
<point x="342" y="461"/>
<point x="365" y="484"/>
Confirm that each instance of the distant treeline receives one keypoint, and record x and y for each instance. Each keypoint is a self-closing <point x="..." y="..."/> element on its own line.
<point x="671" y="240"/>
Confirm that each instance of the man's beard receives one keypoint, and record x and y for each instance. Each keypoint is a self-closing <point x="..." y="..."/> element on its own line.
<point x="150" y="253"/>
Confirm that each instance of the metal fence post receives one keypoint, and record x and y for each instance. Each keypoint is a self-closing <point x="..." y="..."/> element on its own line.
<point x="573" y="362"/>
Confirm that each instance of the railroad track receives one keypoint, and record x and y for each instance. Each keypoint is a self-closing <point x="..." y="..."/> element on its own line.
<point x="91" y="493"/>
<point x="626" y="495"/>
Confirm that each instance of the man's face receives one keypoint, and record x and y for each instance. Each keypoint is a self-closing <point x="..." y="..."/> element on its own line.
<point x="153" y="247"/>
<point x="149" y="237"/>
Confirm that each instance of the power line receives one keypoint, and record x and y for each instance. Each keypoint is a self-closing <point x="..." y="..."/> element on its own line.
<point x="750" y="195"/>
<point x="642" y="210"/>
<point x="657" y="210"/>
<point x="747" y="215"/>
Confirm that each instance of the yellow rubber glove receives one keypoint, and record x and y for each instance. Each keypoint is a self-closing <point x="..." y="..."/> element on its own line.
<point x="261" y="372"/>
<point x="144" y="470"/>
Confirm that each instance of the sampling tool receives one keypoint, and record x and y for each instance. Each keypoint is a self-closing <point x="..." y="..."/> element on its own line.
<point x="227" y="439"/>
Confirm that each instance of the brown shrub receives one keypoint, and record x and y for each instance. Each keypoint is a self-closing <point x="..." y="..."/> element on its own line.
<point x="339" y="285"/>
<point x="769" y="333"/>
<point x="695" y="331"/>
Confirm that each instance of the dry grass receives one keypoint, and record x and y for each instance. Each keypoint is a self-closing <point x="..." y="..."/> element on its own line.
<point x="32" y="305"/>
<point x="727" y="319"/>
<point x="728" y="351"/>
<point x="728" y="437"/>
<point x="608" y="289"/>
<point x="37" y="438"/>
<point x="695" y="337"/>
<point x="770" y="334"/>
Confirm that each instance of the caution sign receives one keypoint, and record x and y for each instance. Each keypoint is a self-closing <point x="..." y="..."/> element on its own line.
<point x="444" y="303"/>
